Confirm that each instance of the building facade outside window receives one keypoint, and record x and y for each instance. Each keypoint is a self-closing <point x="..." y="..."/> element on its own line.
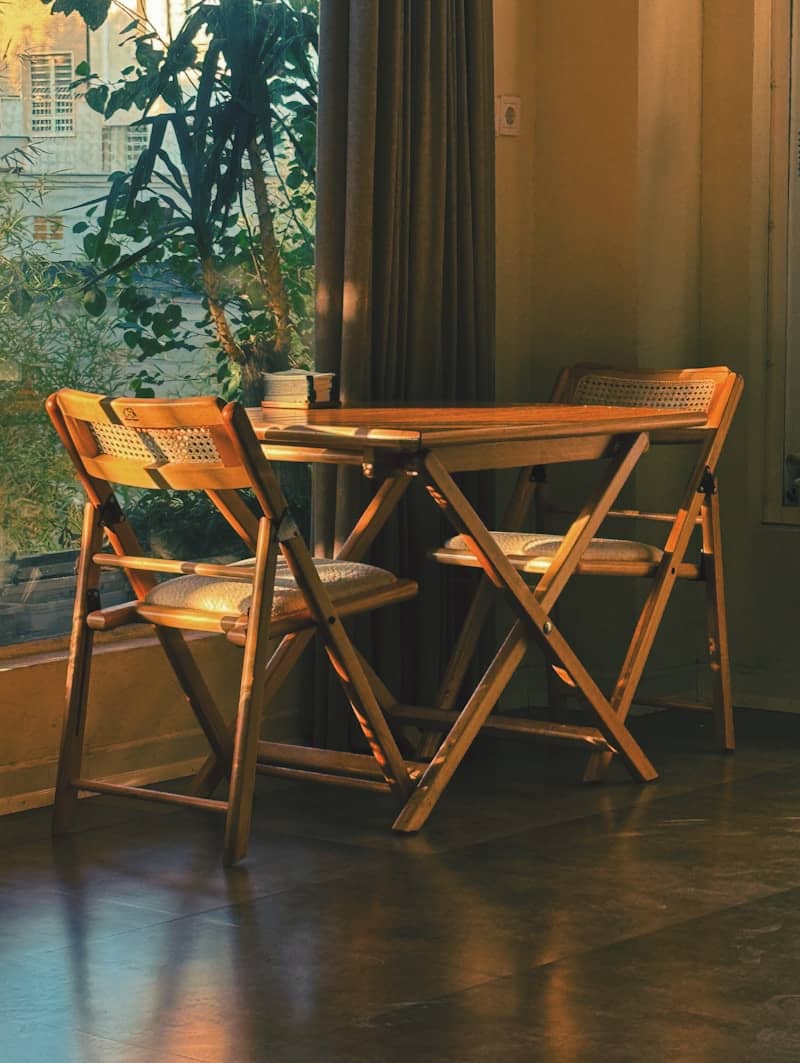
<point x="48" y="229"/>
<point x="136" y="140"/>
<point x="51" y="98"/>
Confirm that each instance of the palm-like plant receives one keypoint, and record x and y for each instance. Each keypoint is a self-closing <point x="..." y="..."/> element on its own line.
<point x="223" y="192"/>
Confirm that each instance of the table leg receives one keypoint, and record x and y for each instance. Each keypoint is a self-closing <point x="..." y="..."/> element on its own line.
<point x="535" y="622"/>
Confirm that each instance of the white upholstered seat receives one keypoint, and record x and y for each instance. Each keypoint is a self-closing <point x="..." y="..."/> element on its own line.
<point x="232" y="597"/>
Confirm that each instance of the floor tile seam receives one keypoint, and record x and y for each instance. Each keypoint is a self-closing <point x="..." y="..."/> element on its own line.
<point x="511" y="832"/>
<point x="348" y="1025"/>
<point x="205" y="913"/>
<point x="671" y="924"/>
<point x="509" y="977"/>
<point x="137" y="1045"/>
<point x="722" y="909"/>
<point x="471" y="845"/>
<point x="113" y="935"/>
<point x="589" y="816"/>
<point x="378" y="850"/>
<point x="73" y="893"/>
<point x="483" y="974"/>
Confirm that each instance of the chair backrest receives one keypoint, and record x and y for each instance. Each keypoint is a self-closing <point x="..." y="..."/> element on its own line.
<point x="184" y="444"/>
<point x="714" y="391"/>
<point x="710" y="390"/>
<point x="193" y="444"/>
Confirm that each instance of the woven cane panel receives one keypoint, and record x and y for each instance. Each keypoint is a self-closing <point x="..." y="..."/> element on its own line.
<point x="532" y="544"/>
<point x="232" y="597"/>
<point x="692" y="395"/>
<point x="184" y="446"/>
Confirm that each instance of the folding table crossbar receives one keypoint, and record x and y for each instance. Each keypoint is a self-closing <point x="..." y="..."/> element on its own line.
<point x="434" y="443"/>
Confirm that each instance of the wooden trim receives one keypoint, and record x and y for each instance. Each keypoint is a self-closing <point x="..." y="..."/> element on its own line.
<point x="78" y="669"/>
<point x="582" y="530"/>
<point x="250" y="707"/>
<point x="496" y="724"/>
<point x="244" y="573"/>
<point x="346" y="781"/>
<point x="285" y="755"/>
<point x="98" y="786"/>
<point x="43" y="796"/>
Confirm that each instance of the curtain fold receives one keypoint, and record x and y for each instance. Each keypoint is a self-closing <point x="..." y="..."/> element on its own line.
<point x="405" y="251"/>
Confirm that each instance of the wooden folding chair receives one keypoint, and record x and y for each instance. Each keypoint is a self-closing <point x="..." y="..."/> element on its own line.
<point x="201" y="444"/>
<point x="713" y="391"/>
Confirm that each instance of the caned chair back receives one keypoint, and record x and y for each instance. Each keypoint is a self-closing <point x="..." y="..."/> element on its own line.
<point x="183" y="444"/>
<point x="193" y="444"/>
<point x="707" y="390"/>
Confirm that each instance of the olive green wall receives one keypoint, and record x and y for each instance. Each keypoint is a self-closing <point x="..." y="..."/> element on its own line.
<point x="641" y="239"/>
<point x="763" y="559"/>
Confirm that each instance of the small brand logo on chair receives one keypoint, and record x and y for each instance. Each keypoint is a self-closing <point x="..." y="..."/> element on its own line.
<point x="129" y="413"/>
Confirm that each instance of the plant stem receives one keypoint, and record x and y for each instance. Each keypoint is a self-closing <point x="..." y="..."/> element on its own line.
<point x="276" y="296"/>
<point x="215" y="308"/>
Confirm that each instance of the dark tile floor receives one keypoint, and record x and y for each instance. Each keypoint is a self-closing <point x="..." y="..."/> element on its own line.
<point x="534" y="919"/>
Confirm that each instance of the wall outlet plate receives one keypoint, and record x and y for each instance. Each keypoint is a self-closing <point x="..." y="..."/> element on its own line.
<point x="509" y="116"/>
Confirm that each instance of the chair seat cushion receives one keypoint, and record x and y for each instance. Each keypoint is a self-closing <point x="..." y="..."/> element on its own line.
<point x="537" y="544"/>
<point x="215" y="594"/>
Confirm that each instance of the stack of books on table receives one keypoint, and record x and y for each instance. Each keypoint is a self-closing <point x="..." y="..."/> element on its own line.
<point x="300" y="387"/>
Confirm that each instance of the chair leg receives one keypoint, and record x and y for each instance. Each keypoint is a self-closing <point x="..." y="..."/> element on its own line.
<point x="717" y="626"/>
<point x="251" y="701"/>
<point x="529" y="484"/>
<point x="78" y="671"/>
<point x="243" y="774"/>
<point x="213" y="770"/>
<point x="460" y="659"/>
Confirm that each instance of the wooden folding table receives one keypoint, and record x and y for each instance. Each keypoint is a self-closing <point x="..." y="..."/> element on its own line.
<point x="395" y="445"/>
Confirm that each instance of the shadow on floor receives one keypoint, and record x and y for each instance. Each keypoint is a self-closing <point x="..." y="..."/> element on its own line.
<point x="534" y="918"/>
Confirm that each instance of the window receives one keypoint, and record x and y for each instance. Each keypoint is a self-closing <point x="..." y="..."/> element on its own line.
<point x="48" y="229"/>
<point x="782" y="451"/>
<point x="121" y="146"/>
<point x="53" y="329"/>
<point x="51" y="96"/>
<point x="106" y="149"/>
<point x="136" y="140"/>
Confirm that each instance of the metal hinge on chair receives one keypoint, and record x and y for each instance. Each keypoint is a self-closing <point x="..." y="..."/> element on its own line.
<point x="93" y="602"/>
<point x="539" y="474"/>
<point x="708" y="483"/>
<point x="287" y="528"/>
<point x="109" y="513"/>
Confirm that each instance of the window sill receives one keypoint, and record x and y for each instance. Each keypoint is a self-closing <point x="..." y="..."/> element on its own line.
<point x="41" y="651"/>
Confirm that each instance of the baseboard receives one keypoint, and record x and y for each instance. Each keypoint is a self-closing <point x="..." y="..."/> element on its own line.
<point x="21" y="800"/>
<point x="146" y="733"/>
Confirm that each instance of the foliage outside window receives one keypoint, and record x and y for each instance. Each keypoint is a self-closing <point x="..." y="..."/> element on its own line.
<point x="222" y="195"/>
<point x="191" y="272"/>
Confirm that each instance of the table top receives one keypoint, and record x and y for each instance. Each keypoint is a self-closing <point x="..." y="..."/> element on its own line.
<point x="418" y="428"/>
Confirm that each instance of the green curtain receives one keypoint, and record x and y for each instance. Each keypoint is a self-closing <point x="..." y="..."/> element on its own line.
<point x="405" y="253"/>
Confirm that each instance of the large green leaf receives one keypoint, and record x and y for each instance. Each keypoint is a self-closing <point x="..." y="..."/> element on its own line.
<point x="94" y="12"/>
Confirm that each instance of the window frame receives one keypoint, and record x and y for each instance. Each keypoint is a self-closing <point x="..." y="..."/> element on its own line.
<point x="48" y="228"/>
<point x="54" y="95"/>
<point x="774" y="508"/>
